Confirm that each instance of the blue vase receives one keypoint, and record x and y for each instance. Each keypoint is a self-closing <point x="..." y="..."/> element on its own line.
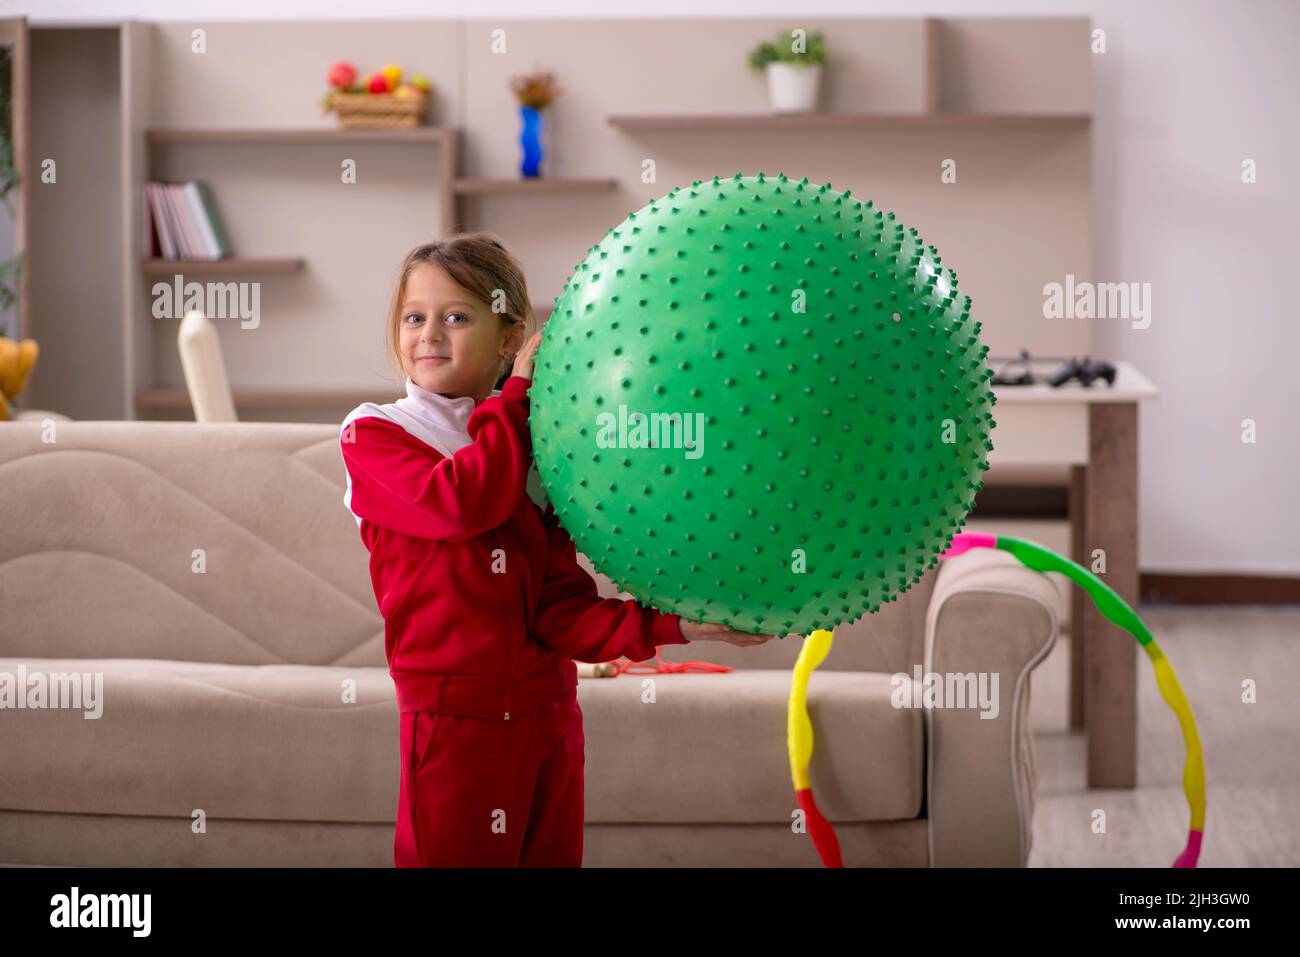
<point x="531" y="140"/>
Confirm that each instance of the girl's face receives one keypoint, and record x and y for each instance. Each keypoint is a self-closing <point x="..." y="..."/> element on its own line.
<point x="451" y="343"/>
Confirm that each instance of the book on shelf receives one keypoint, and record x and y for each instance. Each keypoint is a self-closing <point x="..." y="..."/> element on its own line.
<point x="181" y="222"/>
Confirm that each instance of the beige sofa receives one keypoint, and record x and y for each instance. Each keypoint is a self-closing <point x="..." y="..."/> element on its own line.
<point x="211" y="575"/>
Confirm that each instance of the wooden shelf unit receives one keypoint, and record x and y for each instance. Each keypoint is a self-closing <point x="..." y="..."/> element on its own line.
<point x="1003" y="78"/>
<point x="452" y="189"/>
<point x="172" y="399"/>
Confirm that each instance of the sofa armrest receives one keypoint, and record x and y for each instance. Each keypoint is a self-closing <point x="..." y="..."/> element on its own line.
<point x="991" y="616"/>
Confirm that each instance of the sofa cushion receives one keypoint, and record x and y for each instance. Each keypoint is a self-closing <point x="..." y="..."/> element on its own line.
<point x="238" y="741"/>
<point x="262" y="742"/>
<point x="712" y="748"/>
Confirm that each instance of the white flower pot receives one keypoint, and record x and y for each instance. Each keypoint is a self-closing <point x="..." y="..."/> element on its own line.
<point x="792" y="87"/>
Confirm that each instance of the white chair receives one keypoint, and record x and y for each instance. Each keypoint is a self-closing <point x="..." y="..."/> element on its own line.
<point x="205" y="370"/>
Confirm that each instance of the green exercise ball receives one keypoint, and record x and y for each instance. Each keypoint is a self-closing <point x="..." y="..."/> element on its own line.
<point x="761" y="402"/>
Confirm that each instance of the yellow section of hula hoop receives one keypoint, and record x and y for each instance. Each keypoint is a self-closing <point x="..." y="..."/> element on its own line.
<point x="799" y="733"/>
<point x="1194" y="768"/>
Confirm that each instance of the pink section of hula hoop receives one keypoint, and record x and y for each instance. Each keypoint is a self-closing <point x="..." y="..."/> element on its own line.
<point x="963" y="542"/>
<point x="1192" y="852"/>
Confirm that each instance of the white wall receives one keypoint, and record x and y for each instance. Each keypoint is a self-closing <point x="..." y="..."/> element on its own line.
<point x="1184" y="93"/>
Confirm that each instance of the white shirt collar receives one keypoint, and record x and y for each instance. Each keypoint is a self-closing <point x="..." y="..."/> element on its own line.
<point x="437" y="410"/>
<point x="440" y="421"/>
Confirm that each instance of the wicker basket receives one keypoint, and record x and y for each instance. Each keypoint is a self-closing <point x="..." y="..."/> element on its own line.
<point x="379" y="110"/>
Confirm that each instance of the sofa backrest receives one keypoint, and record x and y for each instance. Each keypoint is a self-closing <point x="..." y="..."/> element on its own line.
<point x="229" y="542"/>
<point x="220" y="542"/>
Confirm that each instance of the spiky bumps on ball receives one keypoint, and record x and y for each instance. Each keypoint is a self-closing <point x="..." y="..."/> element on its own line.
<point x="840" y="383"/>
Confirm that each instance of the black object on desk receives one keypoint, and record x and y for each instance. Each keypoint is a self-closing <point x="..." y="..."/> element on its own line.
<point x="1005" y="376"/>
<point x="1086" y="371"/>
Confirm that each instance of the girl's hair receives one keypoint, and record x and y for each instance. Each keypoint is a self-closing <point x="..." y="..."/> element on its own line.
<point x="479" y="262"/>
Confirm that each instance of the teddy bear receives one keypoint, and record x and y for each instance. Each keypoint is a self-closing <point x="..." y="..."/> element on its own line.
<point x="16" y="361"/>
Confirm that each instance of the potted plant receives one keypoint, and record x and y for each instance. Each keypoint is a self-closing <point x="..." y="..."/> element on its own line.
<point x="793" y="64"/>
<point x="10" y="269"/>
<point x="534" y="91"/>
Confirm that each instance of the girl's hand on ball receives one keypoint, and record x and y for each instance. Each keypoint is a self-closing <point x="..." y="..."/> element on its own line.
<point x="524" y="358"/>
<point x="707" y="631"/>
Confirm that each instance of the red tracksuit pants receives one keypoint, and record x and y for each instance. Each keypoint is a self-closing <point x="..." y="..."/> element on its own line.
<point x="477" y="792"/>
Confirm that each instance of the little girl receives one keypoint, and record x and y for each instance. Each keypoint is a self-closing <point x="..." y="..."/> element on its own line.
<point x="485" y="607"/>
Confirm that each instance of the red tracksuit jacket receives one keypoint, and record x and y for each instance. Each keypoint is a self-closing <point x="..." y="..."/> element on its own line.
<point x="438" y="489"/>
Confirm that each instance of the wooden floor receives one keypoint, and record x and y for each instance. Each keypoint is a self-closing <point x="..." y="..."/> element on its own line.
<point x="1252" y="751"/>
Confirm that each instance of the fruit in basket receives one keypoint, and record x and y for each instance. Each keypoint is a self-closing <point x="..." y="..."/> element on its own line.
<point x="342" y="75"/>
<point x="387" y="101"/>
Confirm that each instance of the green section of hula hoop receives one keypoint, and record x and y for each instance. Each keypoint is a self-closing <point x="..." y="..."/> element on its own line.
<point x="1103" y="596"/>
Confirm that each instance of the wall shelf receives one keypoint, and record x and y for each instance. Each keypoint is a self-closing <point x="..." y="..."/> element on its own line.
<point x="687" y="122"/>
<point x="470" y="186"/>
<point x="221" y="267"/>
<point x="417" y="134"/>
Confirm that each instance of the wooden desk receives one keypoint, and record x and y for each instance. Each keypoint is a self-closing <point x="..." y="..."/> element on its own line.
<point x="1094" y="432"/>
